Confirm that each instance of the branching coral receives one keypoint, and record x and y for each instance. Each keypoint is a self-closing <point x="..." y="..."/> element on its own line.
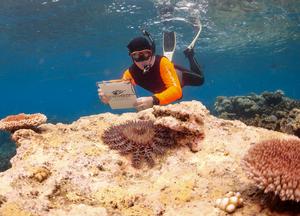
<point x="141" y="138"/>
<point x="275" y="166"/>
<point x="22" y="121"/>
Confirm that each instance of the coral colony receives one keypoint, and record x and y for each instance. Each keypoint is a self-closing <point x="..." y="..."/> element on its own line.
<point x="275" y="167"/>
<point x="230" y="202"/>
<point x="15" y="122"/>
<point x="140" y="138"/>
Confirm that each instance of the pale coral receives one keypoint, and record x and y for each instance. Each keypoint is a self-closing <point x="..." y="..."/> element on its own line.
<point x="21" y="121"/>
<point x="230" y="202"/>
<point x="185" y="120"/>
<point x="274" y="165"/>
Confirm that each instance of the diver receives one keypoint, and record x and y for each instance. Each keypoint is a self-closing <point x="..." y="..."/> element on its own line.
<point x="157" y="73"/>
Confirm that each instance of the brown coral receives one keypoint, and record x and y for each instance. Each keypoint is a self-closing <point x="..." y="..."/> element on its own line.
<point x="22" y="121"/>
<point x="141" y="138"/>
<point x="275" y="166"/>
<point x="41" y="174"/>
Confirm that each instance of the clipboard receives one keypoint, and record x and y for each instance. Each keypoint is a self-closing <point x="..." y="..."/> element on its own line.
<point x="121" y="93"/>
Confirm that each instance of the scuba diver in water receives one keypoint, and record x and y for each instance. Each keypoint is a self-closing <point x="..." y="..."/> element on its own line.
<point x="157" y="73"/>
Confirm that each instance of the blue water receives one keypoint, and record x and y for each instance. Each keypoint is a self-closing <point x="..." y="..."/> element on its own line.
<point x="54" y="51"/>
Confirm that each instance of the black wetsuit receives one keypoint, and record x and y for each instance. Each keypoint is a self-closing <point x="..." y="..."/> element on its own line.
<point x="192" y="77"/>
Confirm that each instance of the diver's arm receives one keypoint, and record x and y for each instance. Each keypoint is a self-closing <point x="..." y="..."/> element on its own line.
<point x="127" y="76"/>
<point x="171" y="81"/>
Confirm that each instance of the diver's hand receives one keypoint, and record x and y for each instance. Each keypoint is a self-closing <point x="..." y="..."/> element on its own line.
<point x="104" y="98"/>
<point x="143" y="103"/>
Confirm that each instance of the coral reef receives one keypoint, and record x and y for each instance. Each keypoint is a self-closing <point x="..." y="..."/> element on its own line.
<point x="230" y="202"/>
<point x="140" y="138"/>
<point x="185" y="122"/>
<point x="89" y="178"/>
<point x="271" y="110"/>
<point x="291" y="124"/>
<point x="274" y="166"/>
<point x="15" y="122"/>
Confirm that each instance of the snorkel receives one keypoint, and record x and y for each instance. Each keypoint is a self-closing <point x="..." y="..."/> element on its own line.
<point x="148" y="66"/>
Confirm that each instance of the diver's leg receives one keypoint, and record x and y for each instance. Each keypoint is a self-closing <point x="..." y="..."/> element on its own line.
<point x="195" y="75"/>
<point x="180" y="76"/>
<point x="187" y="77"/>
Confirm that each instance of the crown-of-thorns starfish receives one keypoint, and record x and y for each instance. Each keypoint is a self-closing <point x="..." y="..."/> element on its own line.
<point x="141" y="138"/>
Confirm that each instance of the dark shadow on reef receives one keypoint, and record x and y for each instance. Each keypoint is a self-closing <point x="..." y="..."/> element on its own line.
<point x="279" y="207"/>
<point x="7" y="151"/>
<point x="271" y="110"/>
<point x="286" y="207"/>
<point x="271" y="204"/>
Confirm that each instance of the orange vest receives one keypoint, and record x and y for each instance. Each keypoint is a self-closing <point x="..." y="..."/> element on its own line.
<point x="161" y="80"/>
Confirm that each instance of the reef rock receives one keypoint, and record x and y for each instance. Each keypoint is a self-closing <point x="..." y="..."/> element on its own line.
<point x="185" y="122"/>
<point x="270" y="110"/>
<point x="66" y="169"/>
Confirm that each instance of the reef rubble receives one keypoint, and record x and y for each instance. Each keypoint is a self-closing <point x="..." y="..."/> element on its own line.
<point x="66" y="169"/>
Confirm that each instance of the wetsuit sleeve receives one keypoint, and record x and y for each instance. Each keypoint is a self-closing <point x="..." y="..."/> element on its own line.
<point x="127" y="76"/>
<point x="169" y="76"/>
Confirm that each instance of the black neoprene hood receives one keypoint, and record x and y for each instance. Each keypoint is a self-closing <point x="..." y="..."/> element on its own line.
<point x="138" y="44"/>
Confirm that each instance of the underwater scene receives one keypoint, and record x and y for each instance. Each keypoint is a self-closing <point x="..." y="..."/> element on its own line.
<point x="53" y="54"/>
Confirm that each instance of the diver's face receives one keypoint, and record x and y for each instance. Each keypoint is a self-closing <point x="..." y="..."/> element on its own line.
<point x="142" y="58"/>
<point x="142" y="55"/>
<point x="141" y="65"/>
